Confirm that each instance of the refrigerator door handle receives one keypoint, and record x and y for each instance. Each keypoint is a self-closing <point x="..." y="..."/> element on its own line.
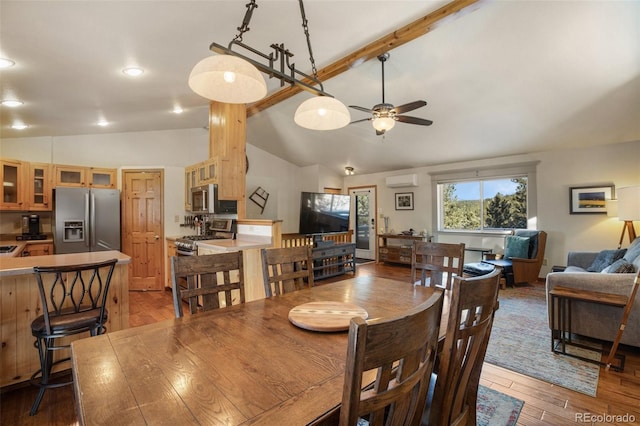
<point x="93" y="219"/>
<point x="86" y="220"/>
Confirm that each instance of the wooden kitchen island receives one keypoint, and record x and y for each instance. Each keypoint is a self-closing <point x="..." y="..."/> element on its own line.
<point x="20" y="305"/>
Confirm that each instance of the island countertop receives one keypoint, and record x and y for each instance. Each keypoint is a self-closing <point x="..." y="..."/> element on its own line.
<point x="20" y="305"/>
<point x="24" y="265"/>
<point x="253" y="242"/>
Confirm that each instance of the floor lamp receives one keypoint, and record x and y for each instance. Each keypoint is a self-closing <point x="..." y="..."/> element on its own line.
<point x="628" y="210"/>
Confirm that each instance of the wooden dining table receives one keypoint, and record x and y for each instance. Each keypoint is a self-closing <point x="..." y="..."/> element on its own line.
<point x="241" y="365"/>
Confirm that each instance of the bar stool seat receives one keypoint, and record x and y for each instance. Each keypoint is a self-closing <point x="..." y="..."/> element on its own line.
<point x="73" y="301"/>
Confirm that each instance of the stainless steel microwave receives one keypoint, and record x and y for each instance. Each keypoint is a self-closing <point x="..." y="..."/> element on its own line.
<point x="204" y="199"/>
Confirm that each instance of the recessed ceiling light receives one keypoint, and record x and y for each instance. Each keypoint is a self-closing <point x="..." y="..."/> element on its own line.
<point x="6" y="63"/>
<point x="178" y="110"/>
<point x="133" y="71"/>
<point x="102" y="123"/>
<point x="11" y="103"/>
<point x="19" y="126"/>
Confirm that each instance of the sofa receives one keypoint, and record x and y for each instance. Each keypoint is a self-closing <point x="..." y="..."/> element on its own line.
<point x="601" y="271"/>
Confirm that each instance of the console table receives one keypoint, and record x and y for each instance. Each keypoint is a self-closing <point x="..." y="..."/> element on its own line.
<point x="561" y="300"/>
<point x="330" y="259"/>
<point x="396" y="253"/>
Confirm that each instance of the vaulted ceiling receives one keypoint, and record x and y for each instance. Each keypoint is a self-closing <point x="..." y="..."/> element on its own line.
<point x="499" y="77"/>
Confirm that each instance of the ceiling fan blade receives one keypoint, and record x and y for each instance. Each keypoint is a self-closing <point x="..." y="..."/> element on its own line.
<point x="413" y="120"/>
<point x="410" y="106"/>
<point x="359" y="108"/>
<point x="362" y="119"/>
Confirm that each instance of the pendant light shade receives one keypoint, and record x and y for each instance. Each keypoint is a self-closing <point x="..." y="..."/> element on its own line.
<point x="382" y="124"/>
<point x="229" y="79"/>
<point x="322" y="113"/>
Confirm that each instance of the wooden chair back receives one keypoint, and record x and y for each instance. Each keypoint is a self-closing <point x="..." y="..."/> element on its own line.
<point x="473" y="304"/>
<point x="399" y="354"/>
<point x="435" y="264"/>
<point x="207" y="282"/>
<point x="286" y="269"/>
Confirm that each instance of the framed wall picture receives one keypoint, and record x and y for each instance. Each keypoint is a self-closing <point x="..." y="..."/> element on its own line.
<point x="590" y="199"/>
<point x="404" y="200"/>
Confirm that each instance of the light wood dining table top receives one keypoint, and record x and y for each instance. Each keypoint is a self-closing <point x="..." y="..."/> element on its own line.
<point x="241" y="365"/>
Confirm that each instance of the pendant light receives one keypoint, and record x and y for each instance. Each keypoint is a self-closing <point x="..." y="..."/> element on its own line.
<point x="232" y="77"/>
<point x="229" y="79"/>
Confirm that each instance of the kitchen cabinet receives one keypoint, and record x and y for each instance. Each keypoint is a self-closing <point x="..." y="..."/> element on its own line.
<point x="102" y="178"/>
<point x="74" y="176"/>
<point x="207" y="172"/>
<point x="40" y="185"/>
<point x="396" y="248"/>
<point x="171" y="251"/>
<point x="202" y="173"/>
<point x="190" y="175"/>
<point x="37" y="249"/>
<point x="78" y="176"/>
<point x="12" y="175"/>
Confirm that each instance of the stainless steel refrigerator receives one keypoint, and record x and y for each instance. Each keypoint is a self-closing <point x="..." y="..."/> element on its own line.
<point x="86" y="220"/>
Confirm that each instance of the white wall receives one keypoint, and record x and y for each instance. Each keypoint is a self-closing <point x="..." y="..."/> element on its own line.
<point x="285" y="180"/>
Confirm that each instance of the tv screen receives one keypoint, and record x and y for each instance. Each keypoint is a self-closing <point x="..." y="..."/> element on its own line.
<point x="322" y="213"/>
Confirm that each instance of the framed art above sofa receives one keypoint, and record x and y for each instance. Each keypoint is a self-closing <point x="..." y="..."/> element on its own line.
<point x="589" y="199"/>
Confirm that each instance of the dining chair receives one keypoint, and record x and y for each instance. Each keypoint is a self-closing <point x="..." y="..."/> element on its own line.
<point x="73" y="301"/>
<point x="286" y="269"/>
<point x="436" y="263"/>
<point x="201" y="281"/>
<point x="398" y="354"/>
<point x="453" y="400"/>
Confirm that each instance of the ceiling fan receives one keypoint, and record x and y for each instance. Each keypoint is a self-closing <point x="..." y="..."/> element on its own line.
<point x="384" y="115"/>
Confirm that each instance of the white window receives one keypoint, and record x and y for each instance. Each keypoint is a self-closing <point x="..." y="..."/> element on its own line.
<point x="491" y="200"/>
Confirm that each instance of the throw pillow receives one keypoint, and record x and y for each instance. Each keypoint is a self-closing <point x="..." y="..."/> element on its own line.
<point x="516" y="247"/>
<point x="620" y="266"/>
<point x="605" y="258"/>
<point x="633" y="251"/>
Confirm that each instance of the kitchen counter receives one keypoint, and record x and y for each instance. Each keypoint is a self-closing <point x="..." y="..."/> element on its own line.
<point x="234" y="245"/>
<point x="20" y="305"/>
<point x="7" y="241"/>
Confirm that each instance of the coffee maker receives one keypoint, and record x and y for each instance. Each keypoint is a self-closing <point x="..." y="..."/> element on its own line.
<point x="31" y="228"/>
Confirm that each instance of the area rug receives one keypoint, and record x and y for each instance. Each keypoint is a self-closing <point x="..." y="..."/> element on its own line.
<point x="492" y="409"/>
<point x="521" y="341"/>
<point x="496" y="409"/>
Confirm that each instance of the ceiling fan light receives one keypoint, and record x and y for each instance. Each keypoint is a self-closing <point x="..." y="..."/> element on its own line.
<point x="322" y="113"/>
<point x="382" y="124"/>
<point x="229" y="79"/>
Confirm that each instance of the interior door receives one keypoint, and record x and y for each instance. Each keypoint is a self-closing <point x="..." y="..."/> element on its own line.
<point x="363" y="209"/>
<point x="143" y="228"/>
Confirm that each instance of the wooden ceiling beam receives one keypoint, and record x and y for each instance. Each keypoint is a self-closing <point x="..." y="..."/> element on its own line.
<point x="372" y="50"/>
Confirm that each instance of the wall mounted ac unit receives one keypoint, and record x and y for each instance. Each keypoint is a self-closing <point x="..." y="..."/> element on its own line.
<point x="402" y="180"/>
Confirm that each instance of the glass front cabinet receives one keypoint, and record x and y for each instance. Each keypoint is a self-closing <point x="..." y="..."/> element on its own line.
<point x="40" y="184"/>
<point x="13" y="181"/>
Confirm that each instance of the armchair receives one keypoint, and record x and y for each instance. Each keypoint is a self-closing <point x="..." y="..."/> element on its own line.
<point x="523" y="254"/>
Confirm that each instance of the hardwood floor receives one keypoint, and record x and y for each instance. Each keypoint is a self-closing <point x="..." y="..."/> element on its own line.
<point x="545" y="404"/>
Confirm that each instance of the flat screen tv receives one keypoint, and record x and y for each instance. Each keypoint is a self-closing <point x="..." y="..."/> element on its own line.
<point x="323" y="213"/>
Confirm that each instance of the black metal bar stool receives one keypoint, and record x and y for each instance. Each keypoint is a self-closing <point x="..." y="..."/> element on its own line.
<point x="73" y="301"/>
